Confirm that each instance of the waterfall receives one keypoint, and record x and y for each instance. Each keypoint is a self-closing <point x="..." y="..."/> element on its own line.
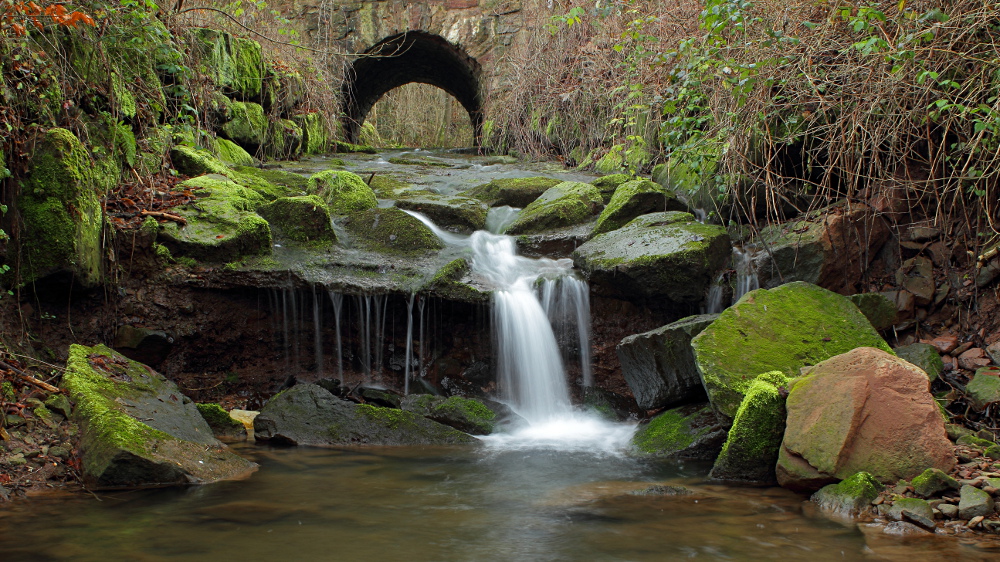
<point x="338" y="303"/>
<point x="746" y="273"/>
<point x="566" y="301"/>
<point x="408" y="357"/>
<point x="318" y="341"/>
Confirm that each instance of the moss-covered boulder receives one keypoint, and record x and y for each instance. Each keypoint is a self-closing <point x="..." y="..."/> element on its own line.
<point x="247" y="126"/>
<point x="563" y="204"/>
<point x="308" y="414"/>
<point x="608" y="184"/>
<point x="391" y="230"/>
<point x="347" y="147"/>
<point x="687" y="432"/>
<point x="658" y="365"/>
<point x="295" y="184"/>
<point x="751" y="449"/>
<point x="923" y="355"/>
<point x="634" y="198"/>
<point x="849" y="498"/>
<point x="137" y="429"/>
<point x="222" y="424"/>
<point x="343" y="191"/>
<point x="235" y="65"/>
<point x="464" y="414"/>
<point x="221" y="224"/>
<point x="667" y="256"/>
<point x="232" y="154"/>
<point x="781" y="329"/>
<point x="304" y="218"/>
<point x="192" y="161"/>
<point x="863" y="410"/>
<point x="984" y="388"/>
<point x="284" y="140"/>
<point x="515" y="192"/>
<point x="283" y="90"/>
<point x="449" y="283"/>
<point x="314" y="135"/>
<point x="60" y="210"/>
<point x="461" y="214"/>
<point x="877" y="308"/>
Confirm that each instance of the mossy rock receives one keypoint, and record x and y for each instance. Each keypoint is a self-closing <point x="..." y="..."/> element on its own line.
<point x="464" y="414"/>
<point x="447" y="284"/>
<point x="222" y="225"/>
<point x="933" y="481"/>
<point x="153" y="150"/>
<point x="608" y="184"/>
<point x="307" y="414"/>
<point x="751" y="449"/>
<point x="61" y="213"/>
<point x="613" y="161"/>
<point x="296" y="184"/>
<point x="781" y="329"/>
<point x="984" y="387"/>
<point x="344" y="192"/>
<point x="563" y="204"/>
<point x="392" y="231"/>
<point x="347" y="147"/>
<point x="304" y="218"/>
<point x="232" y="154"/>
<point x="462" y="214"/>
<point x="137" y="429"/>
<point x="222" y="424"/>
<point x="192" y="161"/>
<point x="284" y="140"/>
<point x="878" y="309"/>
<point x="632" y="199"/>
<point x="515" y="192"/>
<point x="235" y="65"/>
<point x="923" y="355"/>
<point x="690" y="432"/>
<point x="667" y="256"/>
<point x="247" y="126"/>
<point x="283" y="91"/>
<point x="851" y="497"/>
<point x="388" y="187"/>
<point x="315" y="139"/>
<point x="400" y="161"/>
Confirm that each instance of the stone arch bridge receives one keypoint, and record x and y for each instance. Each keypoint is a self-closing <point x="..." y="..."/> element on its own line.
<point x="455" y="45"/>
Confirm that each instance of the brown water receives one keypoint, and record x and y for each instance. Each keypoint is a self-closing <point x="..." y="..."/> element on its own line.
<point x="447" y="504"/>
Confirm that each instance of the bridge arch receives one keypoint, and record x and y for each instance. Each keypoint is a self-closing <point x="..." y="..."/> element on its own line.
<point x="403" y="58"/>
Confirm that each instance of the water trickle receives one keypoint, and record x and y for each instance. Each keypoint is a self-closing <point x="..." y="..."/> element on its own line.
<point x="746" y="272"/>
<point x="499" y="218"/>
<point x="317" y="323"/>
<point x="338" y="304"/>
<point x="408" y="357"/>
<point x="713" y="301"/>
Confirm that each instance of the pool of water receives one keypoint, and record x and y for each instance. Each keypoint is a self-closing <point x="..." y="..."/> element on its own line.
<point x="464" y="503"/>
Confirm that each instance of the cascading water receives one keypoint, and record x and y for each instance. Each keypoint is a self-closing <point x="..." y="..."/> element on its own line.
<point x="529" y="363"/>
<point x="746" y="273"/>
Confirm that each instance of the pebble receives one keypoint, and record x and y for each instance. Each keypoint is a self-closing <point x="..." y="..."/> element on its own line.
<point x="950" y="511"/>
<point x="976" y="521"/>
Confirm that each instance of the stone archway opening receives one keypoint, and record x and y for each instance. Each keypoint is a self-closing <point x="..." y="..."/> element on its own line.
<point x="404" y="58"/>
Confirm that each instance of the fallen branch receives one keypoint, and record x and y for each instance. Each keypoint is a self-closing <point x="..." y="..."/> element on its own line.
<point x="165" y="216"/>
<point x="30" y="379"/>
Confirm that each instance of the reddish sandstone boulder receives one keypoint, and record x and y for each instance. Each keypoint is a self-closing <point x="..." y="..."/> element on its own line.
<point x="864" y="410"/>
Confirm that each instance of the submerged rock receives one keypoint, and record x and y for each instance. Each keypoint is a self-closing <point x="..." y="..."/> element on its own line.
<point x="688" y="432"/>
<point x="463" y="214"/>
<point x="864" y="410"/>
<point x="751" y="448"/>
<point x="391" y="230"/>
<point x="307" y="414"/>
<point x="850" y="497"/>
<point x="343" y="191"/>
<point x="137" y="429"/>
<point x="563" y="204"/>
<point x="667" y="256"/>
<point x="781" y="329"/>
<point x="515" y="192"/>
<point x="658" y="365"/>
<point x="634" y="198"/>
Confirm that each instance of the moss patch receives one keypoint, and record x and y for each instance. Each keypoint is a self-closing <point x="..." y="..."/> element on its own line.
<point x="460" y="213"/>
<point x="391" y="230"/>
<point x="751" y="449"/>
<point x="516" y="192"/>
<point x="563" y="204"/>
<point x="304" y="218"/>
<point x="247" y="126"/>
<point x="675" y="431"/>
<point x="634" y="198"/>
<point x="608" y="184"/>
<point x="878" y="309"/>
<point x="850" y="496"/>
<point x="343" y="191"/>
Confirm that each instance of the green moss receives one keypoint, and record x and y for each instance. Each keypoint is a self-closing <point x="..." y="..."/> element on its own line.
<point x="343" y="191"/>
<point x="452" y="271"/>
<point x="879" y="310"/>
<point x="284" y="140"/>
<point x="850" y="496"/>
<point x="974" y="441"/>
<point x="391" y="417"/>
<point x="123" y="99"/>
<point x="234" y="64"/>
<point x="611" y="162"/>
<point x="391" y="230"/>
<point x="387" y="186"/>
<point x="564" y="204"/>
<point x="192" y="161"/>
<point x="218" y="419"/>
<point x="232" y="154"/>
<point x="608" y="184"/>
<point x="314" y="135"/>
<point x="291" y="180"/>
<point x="162" y="252"/>
<point x="925" y="356"/>
<point x="348" y="147"/>
<point x="673" y="431"/>
<point x="247" y="127"/>
<point x="516" y="192"/>
<point x="751" y="448"/>
<point x="984" y="387"/>
<point x="302" y="218"/>
<point x="475" y="416"/>
<point x="783" y="329"/>
<point x="933" y="481"/>
<point x="634" y="198"/>
<point x="7" y="391"/>
<point x="449" y="212"/>
<point x="418" y="162"/>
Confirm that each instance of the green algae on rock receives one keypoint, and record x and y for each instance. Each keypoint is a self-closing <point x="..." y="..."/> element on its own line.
<point x="464" y="214"/>
<point x="343" y="191"/>
<point x="515" y="192"/>
<point x="284" y="140"/>
<point x="665" y="256"/>
<point x="751" y="448"/>
<point x="851" y="497"/>
<point x="61" y="212"/>
<point x="391" y="230"/>
<point x="563" y="204"/>
<point x="304" y="218"/>
<point x="781" y="329"/>
<point x="608" y="184"/>
<point x="137" y="429"/>
<point x="632" y="199"/>
<point x="690" y="432"/>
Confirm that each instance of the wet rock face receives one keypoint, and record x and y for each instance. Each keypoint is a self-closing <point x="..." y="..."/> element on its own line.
<point x="687" y="432"/>
<point x="864" y="410"/>
<point x="563" y="204"/>
<point x="664" y="256"/>
<point x="463" y="214"/>
<point x="308" y="414"/>
<point x="138" y="430"/>
<point x="635" y="198"/>
<point x="659" y="365"/>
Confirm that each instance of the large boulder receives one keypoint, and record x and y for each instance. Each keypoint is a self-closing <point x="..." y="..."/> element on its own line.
<point x="864" y="410"/>
<point x="667" y="256"/>
<point x="137" y="429"/>
<point x="751" y="448"/>
<point x="831" y="248"/>
<point x="564" y="204"/>
<point x="658" y="365"/>
<point x="462" y="214"/>
<point x="634" y="198"/>
<point x="514" y="192"/>
<point x="303" y="218"/>
<point x="307" y="414"/>
<point x="608" y="184"/>
<point x="687" y="432"/>
<point x="247" y="126"/>
<point x="343" y="191"/>
<point x="464" y="414"/>
<point x="391" y="230"/>
<point x="781" y="329"/>
<point x="221" y="225"/>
